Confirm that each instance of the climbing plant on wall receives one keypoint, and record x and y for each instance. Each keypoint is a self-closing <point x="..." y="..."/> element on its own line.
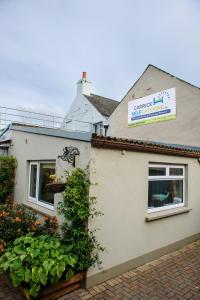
<point x="8" y="166"/>
<point x="77" y="206"/>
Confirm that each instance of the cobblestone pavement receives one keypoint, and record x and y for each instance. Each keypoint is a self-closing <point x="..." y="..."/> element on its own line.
<point x="175" y="276"/>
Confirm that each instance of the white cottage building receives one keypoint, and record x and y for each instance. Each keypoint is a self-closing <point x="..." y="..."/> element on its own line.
<point x="89" y="112"/>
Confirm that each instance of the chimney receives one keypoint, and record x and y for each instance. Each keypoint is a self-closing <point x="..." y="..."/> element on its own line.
<point x="84" y="85"/>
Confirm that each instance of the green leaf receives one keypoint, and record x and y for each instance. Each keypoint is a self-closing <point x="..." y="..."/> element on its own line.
<point x="35" y="274"/>
<point x="35" y="252"/>
<point x="34" y="290"/>
<point x="19" y="250"/>
<point x="16" y="280"/>
<point x="69" y="274"/>
<point x="54" y="253"/>
<point x="22" y="257"/>
<point x="27" y="240"/>
<point x="60" y="268"/>
<point x="57" y="245"/>
<point x="69" y="260"/>
<point x="47" y="264"/>
<point x="42" y="276"/>
<point x="27" y="275"/>
<point x="16" y="265"/>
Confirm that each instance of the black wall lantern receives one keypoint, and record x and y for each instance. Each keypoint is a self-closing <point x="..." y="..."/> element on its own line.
<point x="69" y="154"/>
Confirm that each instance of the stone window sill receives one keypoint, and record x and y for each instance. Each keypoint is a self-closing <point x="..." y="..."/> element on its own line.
<point x="166" y="213"/>
<point x="37" y="211"/>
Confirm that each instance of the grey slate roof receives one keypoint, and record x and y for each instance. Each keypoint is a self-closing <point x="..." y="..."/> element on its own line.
<point x="104" y="105"/>
<point x="73" y="135"/>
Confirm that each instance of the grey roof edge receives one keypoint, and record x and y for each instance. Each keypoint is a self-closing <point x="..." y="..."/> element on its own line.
<point x="59" y="133"/>
<point x="5" y="129"/>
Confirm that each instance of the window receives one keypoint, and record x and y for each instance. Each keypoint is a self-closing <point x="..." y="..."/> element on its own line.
<point x="39" y="173"/>
<point x="166" y="187"/>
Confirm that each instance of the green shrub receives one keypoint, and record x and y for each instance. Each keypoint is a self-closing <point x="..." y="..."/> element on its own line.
<point x="37" y="261"/>
<point x="18" y="220"/>
<point x="77" y="207"/>
<point x="8" y="165"/>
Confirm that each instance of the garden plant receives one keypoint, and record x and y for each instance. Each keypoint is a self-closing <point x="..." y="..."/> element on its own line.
<point x="33" y="262"/>
<point x="34" y="255"/>
<point x="8" y="165"/>
<point x="77" y="207"/>
<point x="18" y="220"/>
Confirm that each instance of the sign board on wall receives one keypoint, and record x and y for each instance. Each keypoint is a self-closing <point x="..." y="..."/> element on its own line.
<point x="153" y="108"/>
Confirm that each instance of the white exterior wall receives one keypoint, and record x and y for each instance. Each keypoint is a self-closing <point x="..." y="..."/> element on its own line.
<point x="83" y="111"/>
<point x="28" y="147"/>
<point x="122" y="196"/>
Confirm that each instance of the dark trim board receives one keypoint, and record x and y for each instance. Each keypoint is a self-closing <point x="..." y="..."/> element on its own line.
<point x="114" y="143"/>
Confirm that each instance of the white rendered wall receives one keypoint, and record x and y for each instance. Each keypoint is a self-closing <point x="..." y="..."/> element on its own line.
<point x="83" y="114"/>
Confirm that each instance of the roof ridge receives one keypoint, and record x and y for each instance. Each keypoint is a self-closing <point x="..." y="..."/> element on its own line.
<point x="103" y="97"/>
<point x="159" y="69"/>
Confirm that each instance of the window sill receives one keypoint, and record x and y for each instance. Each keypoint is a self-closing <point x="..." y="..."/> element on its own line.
<point x="37" y="210"/>
<point x="167" y="213"/>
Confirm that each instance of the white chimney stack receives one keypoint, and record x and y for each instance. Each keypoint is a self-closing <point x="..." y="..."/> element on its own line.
<point x="84" y="85"/>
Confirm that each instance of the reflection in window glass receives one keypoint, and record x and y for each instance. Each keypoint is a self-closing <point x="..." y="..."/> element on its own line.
<point x="33" y="181"/>
<point x="175" y="171"/>
<point x="157" y="171"/>
<point x="46" y="169"/>
<point x="165" y="192"/>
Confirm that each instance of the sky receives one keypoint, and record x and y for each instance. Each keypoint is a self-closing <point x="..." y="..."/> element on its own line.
<point x="45" y="45"/>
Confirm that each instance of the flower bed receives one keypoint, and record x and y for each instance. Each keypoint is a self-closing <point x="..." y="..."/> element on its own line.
<point x="41" y="262"/>
<point x="18" y="220"/>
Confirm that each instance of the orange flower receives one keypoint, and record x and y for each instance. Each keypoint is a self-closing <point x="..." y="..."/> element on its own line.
<point x="3" y="214"/>
<point x="38" y="222"/>
<point x="1" y="246"/>
<point x="46" y="218"/>
<point x="17" y="219"/>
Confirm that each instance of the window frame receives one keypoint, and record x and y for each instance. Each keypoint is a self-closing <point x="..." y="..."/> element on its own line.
<point x="36" y="200"/>
<point x="167" y="177"/>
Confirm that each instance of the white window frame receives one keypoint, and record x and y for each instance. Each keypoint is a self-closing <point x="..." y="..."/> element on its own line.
<point x="36" y="199"/>
<point x="167" y="177"/>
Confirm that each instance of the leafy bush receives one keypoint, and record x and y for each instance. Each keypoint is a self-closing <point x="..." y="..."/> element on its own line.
<point x="18" y="220"/>
<point x="8" y="165"/>
<point x="36" y="261"/>
<point x="77" y="207"/>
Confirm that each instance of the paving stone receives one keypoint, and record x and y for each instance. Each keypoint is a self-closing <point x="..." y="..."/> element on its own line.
<point x="175" y="276"/>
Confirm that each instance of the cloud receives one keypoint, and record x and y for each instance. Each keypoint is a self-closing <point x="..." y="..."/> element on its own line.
<point x="45" y="45"/>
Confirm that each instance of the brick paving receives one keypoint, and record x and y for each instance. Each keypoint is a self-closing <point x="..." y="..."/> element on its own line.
<point x="175" y="276"/>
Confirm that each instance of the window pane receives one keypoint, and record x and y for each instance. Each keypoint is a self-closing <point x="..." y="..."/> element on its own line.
<point x="33" y="181"/>
<point x="165" y="192"/>
<point x="175" y="171"/>
<point x="157" y="171"/>
<point x="46" y="169"/>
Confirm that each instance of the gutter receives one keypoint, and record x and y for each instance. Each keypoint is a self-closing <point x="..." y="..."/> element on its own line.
<point x="141" y="146"/>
